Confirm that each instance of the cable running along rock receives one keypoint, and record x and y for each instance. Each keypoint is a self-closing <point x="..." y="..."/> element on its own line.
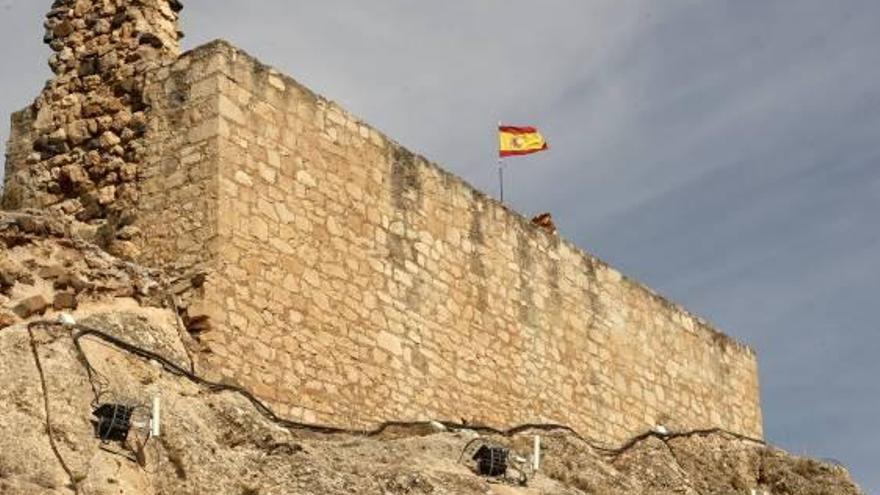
<point x="82" y="331"/>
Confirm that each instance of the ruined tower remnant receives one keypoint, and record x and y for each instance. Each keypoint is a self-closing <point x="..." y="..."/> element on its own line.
<point x="81" y="141"/>
<point x="338" y="276"/>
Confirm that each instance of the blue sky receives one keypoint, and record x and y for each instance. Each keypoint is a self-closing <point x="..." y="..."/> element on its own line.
<point x="726" y="153"/>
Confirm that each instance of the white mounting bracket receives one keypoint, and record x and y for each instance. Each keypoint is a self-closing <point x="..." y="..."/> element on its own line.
<point x="155" y="418"/>
<point x="536" y="457"/>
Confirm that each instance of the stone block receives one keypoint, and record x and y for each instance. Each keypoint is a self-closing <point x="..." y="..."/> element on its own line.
<point x="31" y="306"/>
<point x="65" y="300"/>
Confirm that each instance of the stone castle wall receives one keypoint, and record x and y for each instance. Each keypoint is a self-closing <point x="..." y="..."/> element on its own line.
<point x="178" y="183"/>
<point x="19" y="147"/>
<point x="337" y="275"/>
<point x="350" y="282"/>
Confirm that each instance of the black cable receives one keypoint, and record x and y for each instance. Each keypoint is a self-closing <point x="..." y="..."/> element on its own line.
<point x="467" y="446"/>
<point x="671" y="436"/>
<point x="73" y="482"/>
<point x="175" y="369"/>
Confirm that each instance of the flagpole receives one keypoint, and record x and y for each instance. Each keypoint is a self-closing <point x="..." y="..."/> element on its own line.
<point x="514" y="141"/>
<point x="501" y="178"/>
<point x="500" y="166"/>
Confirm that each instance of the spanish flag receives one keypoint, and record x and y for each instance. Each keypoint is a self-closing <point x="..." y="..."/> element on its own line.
<point x="515" y="141"/>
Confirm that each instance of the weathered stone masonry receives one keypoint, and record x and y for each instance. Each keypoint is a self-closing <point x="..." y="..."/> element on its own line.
<point x="77" y="149"/>
<point x="350" y="282"/>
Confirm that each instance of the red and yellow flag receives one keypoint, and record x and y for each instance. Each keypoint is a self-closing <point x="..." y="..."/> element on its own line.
<point x="515" y="141"/>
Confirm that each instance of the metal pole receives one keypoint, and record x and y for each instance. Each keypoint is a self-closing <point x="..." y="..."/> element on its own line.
<point x="501" y="178"/>
<point x="500" y="163"/>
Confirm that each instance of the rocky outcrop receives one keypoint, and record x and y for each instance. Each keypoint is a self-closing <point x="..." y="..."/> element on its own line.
<point x="699" y="464"/>
<point x="87" y="125"/>
<point x="216" y="441"/>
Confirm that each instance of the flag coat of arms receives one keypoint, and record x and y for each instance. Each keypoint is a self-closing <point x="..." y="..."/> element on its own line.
<point x="516" y="141"/>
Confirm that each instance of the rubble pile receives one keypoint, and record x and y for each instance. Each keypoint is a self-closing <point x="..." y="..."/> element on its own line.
<point x="90" y="118"/>
<point x="50" y="264"/>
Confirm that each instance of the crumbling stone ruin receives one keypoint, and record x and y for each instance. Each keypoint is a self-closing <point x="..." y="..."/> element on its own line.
<point x="83" y="139"/>
<point x="338" y="276"/>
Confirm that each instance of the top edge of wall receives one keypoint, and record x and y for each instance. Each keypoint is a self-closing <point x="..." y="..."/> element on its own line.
<point x="227" y="49"/>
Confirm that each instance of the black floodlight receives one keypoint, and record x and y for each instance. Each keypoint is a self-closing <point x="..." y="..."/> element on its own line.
<point x="491" y="460"/>
<point x="113" y="422"/>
